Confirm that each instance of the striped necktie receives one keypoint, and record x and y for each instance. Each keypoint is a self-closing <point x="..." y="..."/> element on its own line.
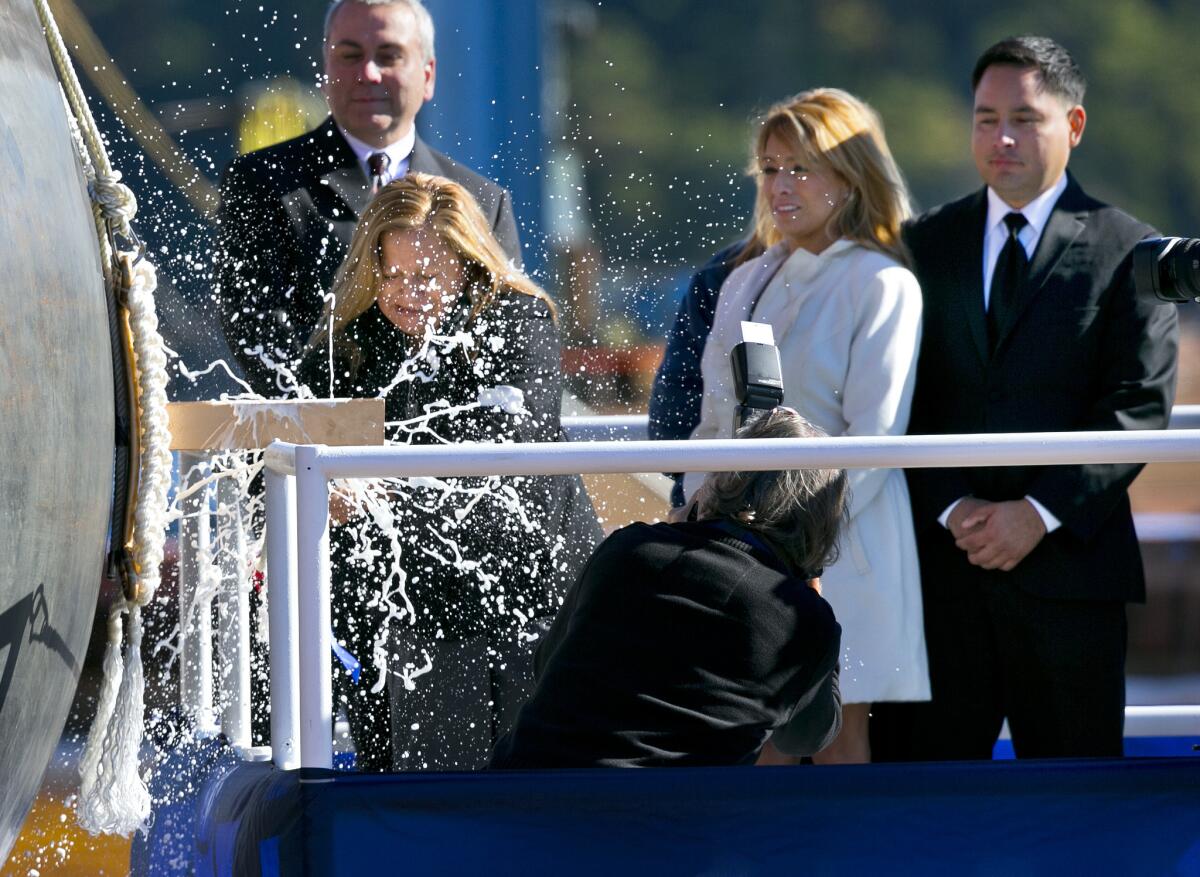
<point x="377" y="165"/>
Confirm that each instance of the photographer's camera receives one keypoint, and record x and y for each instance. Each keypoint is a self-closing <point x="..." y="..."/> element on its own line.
<point x="1167" y="269"/>
<point x="757" y="373"/>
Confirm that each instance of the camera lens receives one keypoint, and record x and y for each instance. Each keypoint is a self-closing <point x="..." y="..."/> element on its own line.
<point x="1167" y="269"/>
<point x="1185" y="268"/>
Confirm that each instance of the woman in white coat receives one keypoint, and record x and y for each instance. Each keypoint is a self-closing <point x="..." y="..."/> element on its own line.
<point x="846" y="315"/>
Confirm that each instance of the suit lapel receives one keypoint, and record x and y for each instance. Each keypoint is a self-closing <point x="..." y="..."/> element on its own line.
<point x="350" y="185"/>
<point x="968" y="275"/>
<point x="339" y="169"/>
<point x="423" y="160"/>
<point x="1062" y="229"/>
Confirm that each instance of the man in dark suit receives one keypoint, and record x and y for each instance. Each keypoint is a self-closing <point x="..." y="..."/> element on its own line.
<point x="1031" y="324"/>
<point x="287" y="212"/>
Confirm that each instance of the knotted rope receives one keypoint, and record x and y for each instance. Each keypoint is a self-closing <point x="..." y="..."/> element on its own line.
<point x="113" y="795"/>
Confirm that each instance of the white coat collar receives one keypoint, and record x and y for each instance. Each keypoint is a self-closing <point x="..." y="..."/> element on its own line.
<point x="803" y="265"/>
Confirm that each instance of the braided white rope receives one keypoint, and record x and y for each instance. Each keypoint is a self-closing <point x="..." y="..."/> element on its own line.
<point x="89" y="763"/>
<point x="150" y="512"/>
<point x="73" y="90"/>
<point x="113" y="795"/>
<point x="116" y="200"/>
<point x="95" y="160"/>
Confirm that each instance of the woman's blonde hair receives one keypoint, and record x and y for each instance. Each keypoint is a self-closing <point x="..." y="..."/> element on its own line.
<point x="446" y="208"/>
<point x="830" y="130"/>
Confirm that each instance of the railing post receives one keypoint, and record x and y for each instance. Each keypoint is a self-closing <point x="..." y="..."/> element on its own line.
<point x="195" y="616"/>
<point x="312" y="573"/>
<point x="283" y="619"/>
<point x="233" y="610"/>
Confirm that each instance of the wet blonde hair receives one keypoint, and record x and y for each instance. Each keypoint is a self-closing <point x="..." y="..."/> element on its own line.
<point x="835" y="133"/>
<point x="445" y="208"/>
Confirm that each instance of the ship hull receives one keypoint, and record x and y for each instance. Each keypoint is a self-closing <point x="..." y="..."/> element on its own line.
<point x="56" y="415"/>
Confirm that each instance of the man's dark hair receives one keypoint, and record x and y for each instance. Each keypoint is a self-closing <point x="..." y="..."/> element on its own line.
<point x="1060" y="74"/>
<point x="799" y="512"/>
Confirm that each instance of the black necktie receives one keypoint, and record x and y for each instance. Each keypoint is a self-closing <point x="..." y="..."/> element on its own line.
<point x="377" y="165"/>
<point x="1012" y="269"/>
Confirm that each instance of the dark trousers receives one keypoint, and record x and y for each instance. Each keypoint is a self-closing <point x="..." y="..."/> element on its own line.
<point x="449" y="717"/>
<point x="1054" y="668"/>
<point x="453" y="713"/>
<point x="355" y="624"/>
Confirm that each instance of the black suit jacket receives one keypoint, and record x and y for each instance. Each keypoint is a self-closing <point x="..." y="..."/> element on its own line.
<point x="680" y="644"/>
<point x="1081" y="352"/>
<point x="514" y="343"/>
<point x="286" y="218"/>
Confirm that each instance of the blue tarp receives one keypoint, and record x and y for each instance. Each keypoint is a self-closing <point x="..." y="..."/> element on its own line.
<point x="1135" y="816"/>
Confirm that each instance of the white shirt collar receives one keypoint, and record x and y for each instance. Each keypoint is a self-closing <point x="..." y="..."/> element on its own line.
<point x="397" y="152"/>
<point x="1036" y="212"/>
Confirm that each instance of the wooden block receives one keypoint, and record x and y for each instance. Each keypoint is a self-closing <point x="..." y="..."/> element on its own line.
<point x="230" y="426"/>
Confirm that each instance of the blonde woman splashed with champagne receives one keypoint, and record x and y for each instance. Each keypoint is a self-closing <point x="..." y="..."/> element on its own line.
<point x="845" y="310"/>
<point x="428" y="313"/>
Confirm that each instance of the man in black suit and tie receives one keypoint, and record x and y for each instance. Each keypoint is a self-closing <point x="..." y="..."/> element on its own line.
<point x="287" y="212"/>
<point x="1031" y="324"/>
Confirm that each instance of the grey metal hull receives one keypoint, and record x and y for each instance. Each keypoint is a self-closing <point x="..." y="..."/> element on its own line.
<point x="56" y="415"/>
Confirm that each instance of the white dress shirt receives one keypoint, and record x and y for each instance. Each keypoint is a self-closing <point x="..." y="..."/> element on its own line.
<point x="398" y="154"/>
<point x="995" y="236"/>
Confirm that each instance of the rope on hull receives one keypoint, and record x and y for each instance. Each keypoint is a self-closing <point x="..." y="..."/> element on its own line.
<point x="114" y="798"/>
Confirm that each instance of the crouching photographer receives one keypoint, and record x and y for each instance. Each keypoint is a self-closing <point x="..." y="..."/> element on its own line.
<point x="690" y="642"/>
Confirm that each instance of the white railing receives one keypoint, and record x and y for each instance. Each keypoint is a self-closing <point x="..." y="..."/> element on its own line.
<point x="1185" y="417"/>
<point x="635" y="427"/>
<point x="195" y="606"/>
<point x="298" y="518"/>
<point x="1152" y="721"/>
<point x="197" y="593"/>
<point x="606" y="427"/>
<point x="200" y="584"/>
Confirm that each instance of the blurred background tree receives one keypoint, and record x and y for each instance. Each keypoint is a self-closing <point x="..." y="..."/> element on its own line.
<point x="645" y="132"/>
<point x="666" y="92"/>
